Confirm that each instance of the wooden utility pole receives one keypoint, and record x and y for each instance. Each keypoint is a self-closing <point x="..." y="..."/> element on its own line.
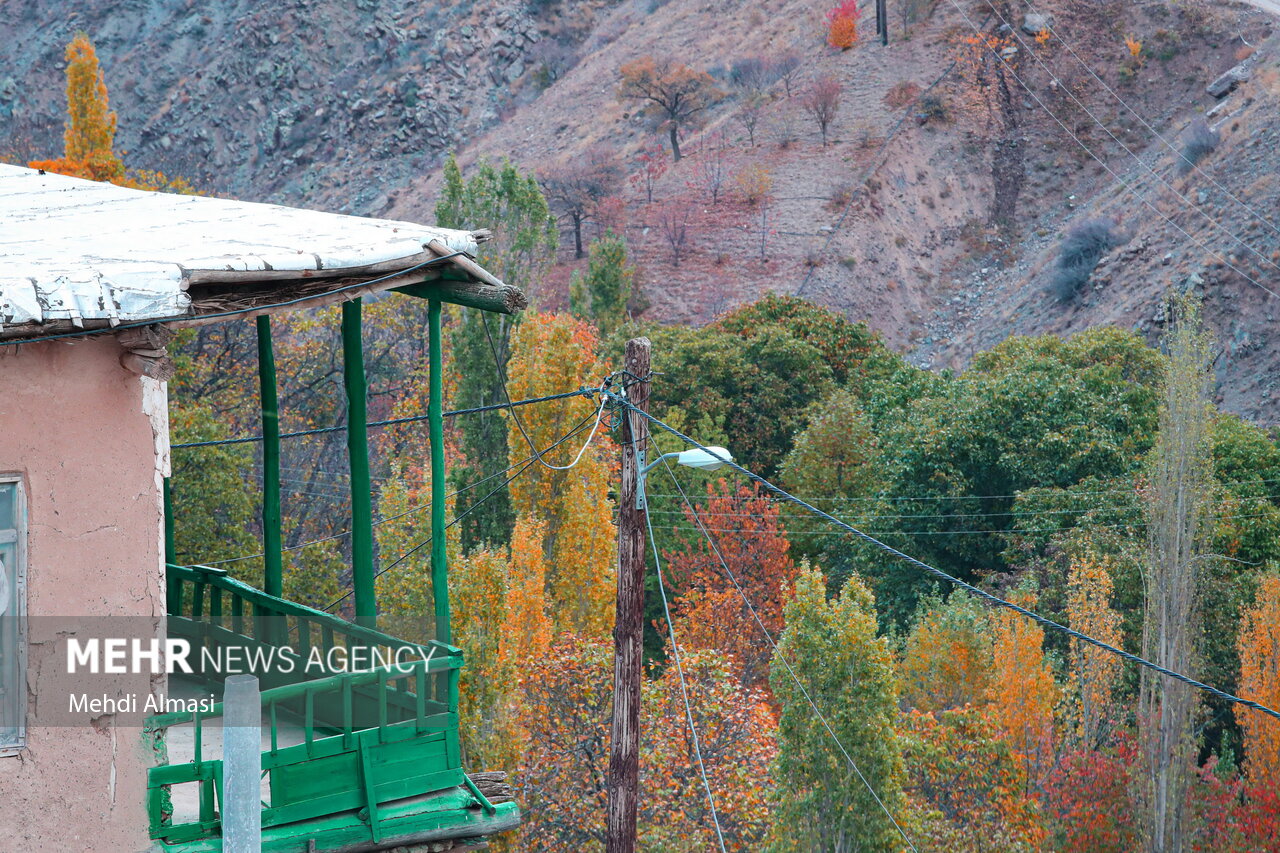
<point x="882" y="21"/>
<point x="628" y="631"/>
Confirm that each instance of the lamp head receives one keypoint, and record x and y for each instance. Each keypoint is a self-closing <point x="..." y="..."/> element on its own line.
<point x="702" y="460"/>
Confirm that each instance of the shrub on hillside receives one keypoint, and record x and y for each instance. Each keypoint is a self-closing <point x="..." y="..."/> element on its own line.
<point x="1197" y="143"/>
<point x="1082" y="248"/>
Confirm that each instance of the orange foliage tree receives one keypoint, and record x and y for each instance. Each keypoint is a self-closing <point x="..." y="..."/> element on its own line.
<point x="552" y="352"/>
<point x="561" y="781"/>
<point x="672" y="92"/>
<point x="969" y="783"/>
<point x="1259" y="644"/>
<point x="1089" y="611"/>
<point x="842" y="24"/>
<point x="947" y="660"/>
<point x="1022" y="692"/>
<point x="712" y="613"/>
<point x="91" y="129"/>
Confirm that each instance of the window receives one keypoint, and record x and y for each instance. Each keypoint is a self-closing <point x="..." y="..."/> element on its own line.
<point x="13" y="675"/>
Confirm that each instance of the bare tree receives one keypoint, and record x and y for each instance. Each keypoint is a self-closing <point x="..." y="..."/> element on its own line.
<point x="822" y="101"/>
<point x="710" y="169"/>
<point x="788" y="67"/>
<point x="575" y="186"/>
<point x="673" y="222"/>
<point x="749" y="115"/>
<point x="1180" y="480"/>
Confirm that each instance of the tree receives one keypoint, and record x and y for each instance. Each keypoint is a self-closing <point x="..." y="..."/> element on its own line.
<point x="985" y="63"/>
<point x="1089" y="799"/>
<point x="523" y="248"/>
<point x="832" y="648"/>
<point x="601" y="295"/>
<point x="575" y="186"/>
<point x="971" y="784"/>
<point x="1095" y="672"/>
<point x="710" y="169"/>
<point x="552" y="353"/>
<point x="947" y="658"/>
<point x="1180" y="479"/>
<point x="749" y="535"/>
<point x="822" y="101"/>
<point x="670" y="91"/>
<point x="842" y="24"/>
<point x="89" y="137"/>
<point x="673" y="224"/>
<point x="750" y="111"/>
<point x="651" y="164"/>
<point x="1022" y="693"/>
<point x="1260" y="681"/>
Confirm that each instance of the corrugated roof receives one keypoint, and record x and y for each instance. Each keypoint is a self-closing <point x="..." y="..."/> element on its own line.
<point x="85" y="252"/>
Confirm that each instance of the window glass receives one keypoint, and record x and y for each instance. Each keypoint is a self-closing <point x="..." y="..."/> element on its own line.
<point x="12" y="694"/>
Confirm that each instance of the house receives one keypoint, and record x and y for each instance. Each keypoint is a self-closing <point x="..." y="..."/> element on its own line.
<point x="93" y="280"/>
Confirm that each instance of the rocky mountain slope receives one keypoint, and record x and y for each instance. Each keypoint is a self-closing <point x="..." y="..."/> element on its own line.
<point x="351" y="106"/>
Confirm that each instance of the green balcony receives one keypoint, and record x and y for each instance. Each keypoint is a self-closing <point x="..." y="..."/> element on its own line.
<point x="352" y="761"/>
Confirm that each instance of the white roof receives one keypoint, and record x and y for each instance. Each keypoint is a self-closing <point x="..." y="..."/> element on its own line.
<point x="76" y="250"/>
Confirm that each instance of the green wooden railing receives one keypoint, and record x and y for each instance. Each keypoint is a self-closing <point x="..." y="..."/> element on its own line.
<point x="369" y="737"/>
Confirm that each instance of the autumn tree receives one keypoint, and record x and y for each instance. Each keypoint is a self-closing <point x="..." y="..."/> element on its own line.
<point x="1259" y="643"/>
<point x="1179" y="482"/>
<point x="832" y="649"/>
<point x="651" y="164"/>
<point x="1089" y="799"/>
<point x="822" y="101"/>
<point x="602" y="293"/>
<point x="552" y="353"/>
<point x="523" y="248"/>
<point x="842" y="24"/>
<point x="947" y="658"/>
<point x="671" y="92"/>
<point x="1022" y="694"/>
<point x="749" y="536"/>
<point x="971" y="784"/>
<point x="1095" y="673"/>
<point x="576" y="185"/>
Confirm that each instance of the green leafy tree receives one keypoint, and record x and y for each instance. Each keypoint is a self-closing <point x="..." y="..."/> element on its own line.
<point x="511" y="204"/>
<point x="848" y="671"/>
<point x="601" y="294"/>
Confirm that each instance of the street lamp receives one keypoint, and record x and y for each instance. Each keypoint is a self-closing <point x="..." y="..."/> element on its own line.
<point x="711" y="459"/>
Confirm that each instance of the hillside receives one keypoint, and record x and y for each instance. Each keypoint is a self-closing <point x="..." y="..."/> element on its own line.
<point x="351" y="107"/>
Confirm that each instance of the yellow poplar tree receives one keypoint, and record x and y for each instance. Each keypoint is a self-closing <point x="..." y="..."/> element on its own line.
<point x="552" y="353"/>
<point x="1089" y="611"/>
<point x="1022" y="692"/>
<point x="1259" y="644"/>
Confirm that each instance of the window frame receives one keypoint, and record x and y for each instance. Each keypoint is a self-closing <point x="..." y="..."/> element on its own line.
<point x="18" y="580"/>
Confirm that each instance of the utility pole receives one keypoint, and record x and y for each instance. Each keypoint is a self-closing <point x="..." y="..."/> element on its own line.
<point x="628" y="632"/>
<point x="882" y="21"/>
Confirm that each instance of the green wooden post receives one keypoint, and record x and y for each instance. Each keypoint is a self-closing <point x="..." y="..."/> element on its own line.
<point x="435" y="417"/>
<point x="358" y="459"/>
<point x="273" y="571"/>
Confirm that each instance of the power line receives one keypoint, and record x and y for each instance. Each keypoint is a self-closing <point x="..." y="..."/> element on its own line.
<point x="1190" y="163"/>
<point x="777" y="654"/>
<point x="1103" y="163"/>
<point x="936" y="572"/>
<point x="502" y="383"/>
<point x="1126" y="149"/>
<point x="675" y="653"/>
<point x="524" y="467"/>
<point x="236" y="312"/>
<point x="581" y="392"/>
<point x="409" y="511"/>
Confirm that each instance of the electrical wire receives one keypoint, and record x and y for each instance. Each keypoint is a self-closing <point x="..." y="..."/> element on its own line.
<point x="675" y="653"/>
<point x="524" y="467"/>
<point x="1191" y="164"/>
<point x="236" y="312"/>
<point x="581" y="392"/>
<point x="939" y="573"/>
<point x="409" y="511"/>
<point x="1035" y="55"/>
<point x="502" y="383"/>
<point x="777" y="655"/>
<point x="1105" y="166"/>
